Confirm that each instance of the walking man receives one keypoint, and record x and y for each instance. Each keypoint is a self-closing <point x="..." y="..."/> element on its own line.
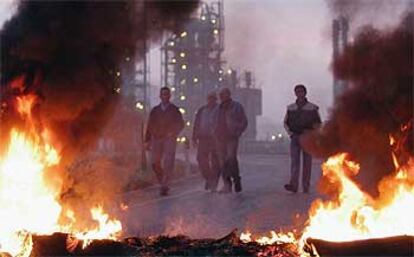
<point x="232" y="122"/>
<point x="300" y="117"/>
<point x="203" y="140"/>
<point x="164" y="124"/>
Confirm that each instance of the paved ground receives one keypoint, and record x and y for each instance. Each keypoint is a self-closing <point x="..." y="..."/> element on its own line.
<point x="262" y="206"/>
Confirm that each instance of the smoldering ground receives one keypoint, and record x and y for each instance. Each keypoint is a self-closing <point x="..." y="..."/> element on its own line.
<point x="68" y="53"/>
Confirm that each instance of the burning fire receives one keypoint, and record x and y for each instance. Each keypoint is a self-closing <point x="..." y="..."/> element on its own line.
<point x="353" y="214"/>
<point x="28" y="204"/>
<point x="284" y="238"/>
<point x="108" y="229"/>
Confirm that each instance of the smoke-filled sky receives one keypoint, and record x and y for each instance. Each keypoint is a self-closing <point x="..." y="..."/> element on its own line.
<point x="6" y="10"/>
<point x="285" y="42"/>
<point x="289" y="42"/>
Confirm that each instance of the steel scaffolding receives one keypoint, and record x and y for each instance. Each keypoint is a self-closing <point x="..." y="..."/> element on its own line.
<point x="191" y="60"/>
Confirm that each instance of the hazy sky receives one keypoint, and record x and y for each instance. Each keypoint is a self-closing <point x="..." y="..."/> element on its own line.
<point x="6" y="10"/>
<point x="284" y="42"/>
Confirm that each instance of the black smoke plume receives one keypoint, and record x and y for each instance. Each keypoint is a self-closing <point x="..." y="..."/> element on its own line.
<point x="69" y="53"/>
<point x="355" y="7"/>
<point x="378" y="66"/>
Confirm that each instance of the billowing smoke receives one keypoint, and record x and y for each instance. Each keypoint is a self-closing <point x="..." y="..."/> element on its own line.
<point x="354" y="7"/>
<point x="378" y="66"/>
<point x="69" y="53"/>
<point x="361" y="12"/>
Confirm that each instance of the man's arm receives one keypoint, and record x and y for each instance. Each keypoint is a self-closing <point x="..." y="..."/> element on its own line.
<point x="179" y="121"/>
<point x="150" y="125"/>
<point x="318" y="120"/>
<point x="286" y="125"/>
<point x="243" y="119"/>
<point x="196" y="126"/>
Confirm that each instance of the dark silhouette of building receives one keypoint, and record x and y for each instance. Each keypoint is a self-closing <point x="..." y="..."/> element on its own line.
<point x="340" y="27"/>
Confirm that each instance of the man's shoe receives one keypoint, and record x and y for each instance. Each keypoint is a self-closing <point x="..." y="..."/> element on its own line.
<point x="237" y="186"/>
<point x="290" y="188"/>
<point x="206" y="186"/>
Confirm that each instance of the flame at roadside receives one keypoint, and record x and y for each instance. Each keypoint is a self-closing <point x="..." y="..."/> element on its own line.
<point x="108" y="229"/>
<point x="26" y="204"/>
<point x="288" y="240"/>
<point x="274" y="238"/>
<point x="354" y="214"/>
<point x="29" y="205"/>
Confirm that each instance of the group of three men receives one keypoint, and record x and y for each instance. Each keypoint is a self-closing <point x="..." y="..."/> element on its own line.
<point x="216" y="132"/>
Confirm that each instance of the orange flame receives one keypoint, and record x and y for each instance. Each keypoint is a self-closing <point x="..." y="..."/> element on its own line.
<point x="124" y="207"/>
<point x="28" y="205"/>
<point x="24" y="198"/>
<point x="393" y="143"/>
<point x="25" y="104"/>
<point x="274" y="238"/>
<point x="355" y="215"/>
<point x="107" y="229"/>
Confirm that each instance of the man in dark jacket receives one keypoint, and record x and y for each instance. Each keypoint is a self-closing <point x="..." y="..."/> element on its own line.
<point x="300" y="117"/>
<point x="231" y="123"/>
<point x="164" y="124"/>
<point x="203" y="140"/>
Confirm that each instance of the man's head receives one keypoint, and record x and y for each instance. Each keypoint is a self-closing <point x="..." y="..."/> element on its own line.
<point x="165" y="95"/>
<point x="211" y="98"/>
<point x="225" y="95"/>
<point x="300" y="91"/>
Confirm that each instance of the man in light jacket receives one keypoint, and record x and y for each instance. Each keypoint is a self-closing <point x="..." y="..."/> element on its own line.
<point x="203" y="139"/>
<point x="231" y="123"/>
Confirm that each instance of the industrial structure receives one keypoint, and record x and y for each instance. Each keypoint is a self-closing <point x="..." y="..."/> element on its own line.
<point x="192" y="66"/>
<point x="340" y="28"/>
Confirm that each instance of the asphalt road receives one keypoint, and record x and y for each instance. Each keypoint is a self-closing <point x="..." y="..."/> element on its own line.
<point x="262" y="206"/>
